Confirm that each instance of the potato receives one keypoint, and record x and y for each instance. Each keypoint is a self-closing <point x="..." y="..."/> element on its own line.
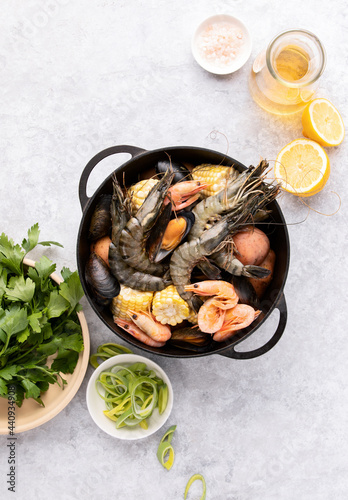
<point x="101" y="248"/>
<point x="261" y="284"/>
<point x="252" y="246"/>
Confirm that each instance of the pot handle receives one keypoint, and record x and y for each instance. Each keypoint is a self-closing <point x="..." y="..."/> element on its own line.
<point x="281" y="306"/>
<point x="133" y="150"/>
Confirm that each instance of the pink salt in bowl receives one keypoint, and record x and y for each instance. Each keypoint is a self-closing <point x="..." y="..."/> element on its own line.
<point x="221" y="44"/>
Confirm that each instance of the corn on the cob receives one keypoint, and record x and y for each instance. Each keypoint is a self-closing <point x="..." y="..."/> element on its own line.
<point x="168" y="307"/>
<point x="130" y="299"/>
<point x="215" y="175"/>
<point x="140" y="190"/>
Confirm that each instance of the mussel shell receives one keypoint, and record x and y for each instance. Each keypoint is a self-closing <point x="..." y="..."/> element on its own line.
<point x="245" y="291"/>
<point x="181" y="172"/>
<point x="102" y="282"/>
<point x="191" y="339"/>
<point x="155" y="250"/>
<point x="100" y="224"/>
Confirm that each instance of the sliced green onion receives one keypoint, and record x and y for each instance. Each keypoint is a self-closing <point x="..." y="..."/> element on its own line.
<point x="192" y="480"/>
<point x="131" y="394"/>
<point x="106" y="351"/>
<point x="165" y="449"/>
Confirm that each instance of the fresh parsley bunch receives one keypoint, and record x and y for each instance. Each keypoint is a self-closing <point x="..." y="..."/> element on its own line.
<point x="38" y="319"/>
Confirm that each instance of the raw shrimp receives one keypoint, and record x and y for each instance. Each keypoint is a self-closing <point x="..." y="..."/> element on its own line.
<point x="138" y="280"/>
<point x="132" y="247"/>
<point x="238" y="190"/>
<point x="183" y="194"/>
<point x="122" y="271"/>
<point x="132" y="241"/>
<point x="137" y="333"/>
<point x="236" y="318"/>
<point x="226" y="260"/>
<point x="147" y="323"/>
<point x="223" y="293"/>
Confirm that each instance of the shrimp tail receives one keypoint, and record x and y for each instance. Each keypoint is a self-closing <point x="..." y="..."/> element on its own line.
<point x="255" y="272"/>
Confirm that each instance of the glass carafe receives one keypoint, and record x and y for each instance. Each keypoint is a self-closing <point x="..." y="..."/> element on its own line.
<point x="285" y="76"/>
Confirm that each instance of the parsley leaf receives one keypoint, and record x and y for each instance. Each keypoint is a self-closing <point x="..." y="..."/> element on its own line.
<point x="33" y="238"/>
<point x="56" y="305"/>
<point x="11" y="255"/>
<point x="20" y="289"/>
<point x="72" y="290"/>
<point x="31" y="389"/>
<point x="34" y="321"/>
<point x="44" y="268"/>
<point x="12" y="322"/>
<point x="8" y="372"/>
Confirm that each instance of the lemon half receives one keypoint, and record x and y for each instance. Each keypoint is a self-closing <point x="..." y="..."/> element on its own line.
<point x="322" y="122"/>
<point x="302" y="167"/>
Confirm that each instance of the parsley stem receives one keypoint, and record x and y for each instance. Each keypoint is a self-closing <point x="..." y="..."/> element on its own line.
<point x="27" y="351"/>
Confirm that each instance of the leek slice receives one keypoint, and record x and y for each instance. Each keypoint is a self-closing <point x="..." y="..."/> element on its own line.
<point x="192" y="479"/>
<point x="106" y="351"/>
<point x="165" y="448"/>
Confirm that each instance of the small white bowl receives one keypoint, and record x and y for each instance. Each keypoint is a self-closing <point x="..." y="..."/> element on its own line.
<point x="241" y="57"/>
<point x="96" y="405"/>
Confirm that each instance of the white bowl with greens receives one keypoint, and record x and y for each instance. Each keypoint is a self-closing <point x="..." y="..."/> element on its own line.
<point x="129" y="397"/>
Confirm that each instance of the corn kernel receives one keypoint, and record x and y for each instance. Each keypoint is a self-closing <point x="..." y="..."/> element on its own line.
<point x="130" y="299"/>
<point x="215" y="175"/>
<point x="168" y="307"/>
<point x="139" y="191"/>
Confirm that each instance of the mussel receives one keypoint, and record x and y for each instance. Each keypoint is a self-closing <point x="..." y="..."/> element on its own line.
<point x="245" y="291"/>
<point x="190" y="338"/>
<point x="100" y="224"/>
<point x="170" y="230"/>
<point x="102" y="282"/>
<point x="181" y="172"/>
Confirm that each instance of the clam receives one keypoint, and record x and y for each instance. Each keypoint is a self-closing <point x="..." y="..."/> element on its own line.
<point x="181" y="172"/>
<point x="169" y="232"/>
<point x="100" y="224"/>
<point x="102" y="282"/>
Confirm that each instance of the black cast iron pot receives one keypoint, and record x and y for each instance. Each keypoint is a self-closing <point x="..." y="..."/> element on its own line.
<point x="130" y="172"/>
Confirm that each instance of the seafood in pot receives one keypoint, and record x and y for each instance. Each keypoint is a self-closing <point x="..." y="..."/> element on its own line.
<point x="158" y="244"/>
